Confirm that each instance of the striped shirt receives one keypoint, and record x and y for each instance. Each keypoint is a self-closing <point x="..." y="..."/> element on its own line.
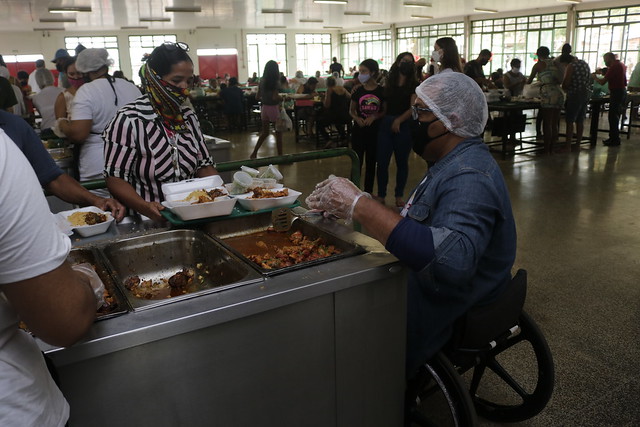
<point x="139" y="150"/>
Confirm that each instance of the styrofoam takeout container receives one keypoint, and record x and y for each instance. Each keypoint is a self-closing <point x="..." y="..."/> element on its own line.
<point x="86" y="230"/>
<point x="274" y="202"/>
<point x="186" y="210"/>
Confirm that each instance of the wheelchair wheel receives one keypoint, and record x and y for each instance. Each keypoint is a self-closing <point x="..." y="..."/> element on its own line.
<point x="444" y="401"/>
<point x="512" y="400"/>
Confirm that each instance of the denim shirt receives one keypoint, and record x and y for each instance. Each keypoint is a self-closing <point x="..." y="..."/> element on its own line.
<point x="465" y="202"/>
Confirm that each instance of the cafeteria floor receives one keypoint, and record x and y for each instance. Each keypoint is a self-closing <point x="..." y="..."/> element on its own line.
<point x="578" y="223"/>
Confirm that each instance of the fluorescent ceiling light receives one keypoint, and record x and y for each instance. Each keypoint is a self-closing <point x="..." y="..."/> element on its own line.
<point x="48" y="29"/>
<point x="571" y="1"/>
<point x="422" y="16"/>
<point x="276" y="11"/>
<point x="70" y="9"/>
<point x="155" y="19"/>
<point x="416" y="4"/>
<point x="311" y="20"/>
<point x="57" y="19"/>
<point x="477" y="9"/>
<point x="330" y="2"/>
<point x="328" y="27"/>
<point x="372" y="22"/>
<point x="183" y="9"/>
<point x="209" y="27"/>
<point x="275" y="26"/>
<point x="135" y="27"/>
<point x="357" y="13"/>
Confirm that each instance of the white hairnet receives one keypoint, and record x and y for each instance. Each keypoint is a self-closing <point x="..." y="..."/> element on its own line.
<point x="92" y="60"/>
<point x="44" y="78"/>
<point x="457" y="101"/>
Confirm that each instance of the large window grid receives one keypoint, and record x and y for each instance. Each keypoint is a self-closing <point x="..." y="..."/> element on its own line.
<point x="608" y="30"/>
<point x="517" y="37"/>
<point x="262" y="48"/>
<point x="139" y="46"/>
<point x="90" y="42"/>
<point x="313" y="52"/>
<point x="356" y="47"/>
<point x="419" y="40"/>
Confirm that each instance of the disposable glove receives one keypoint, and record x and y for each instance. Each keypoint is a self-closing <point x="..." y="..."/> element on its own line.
<point x="87" y="270"/>
<point x="337" y="196"/>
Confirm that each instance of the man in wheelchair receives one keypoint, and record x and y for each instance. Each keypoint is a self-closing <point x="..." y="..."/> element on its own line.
<point x="456" y="233"/>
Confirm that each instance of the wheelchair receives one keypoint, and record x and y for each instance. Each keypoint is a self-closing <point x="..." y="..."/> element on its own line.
<point x="480" y="370"/>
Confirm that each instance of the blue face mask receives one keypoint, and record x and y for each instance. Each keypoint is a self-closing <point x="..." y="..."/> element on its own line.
<point x="363" y="78"/>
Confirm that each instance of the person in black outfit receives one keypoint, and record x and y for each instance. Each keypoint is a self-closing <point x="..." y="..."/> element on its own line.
<point x="336" y="67"/>
<point x="336" y="110"/>
<point x="473" y="69"/>
<point x="233" y="98"/>
<point x="367" y="108"/>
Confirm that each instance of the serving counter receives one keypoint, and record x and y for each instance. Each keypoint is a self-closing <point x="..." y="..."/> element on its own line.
<point x="317" y="346"/>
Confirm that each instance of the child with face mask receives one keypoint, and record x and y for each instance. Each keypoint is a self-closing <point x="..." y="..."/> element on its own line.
<point x="367" y="107"/>
<point x="394" y="136"/>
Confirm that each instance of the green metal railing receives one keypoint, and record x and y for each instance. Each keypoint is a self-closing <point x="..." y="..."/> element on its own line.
<point x="275" y="160"/>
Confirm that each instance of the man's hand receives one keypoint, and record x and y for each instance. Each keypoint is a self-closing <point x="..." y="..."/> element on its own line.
<point x="337" y="196"/>
<point x="115" y="207"/>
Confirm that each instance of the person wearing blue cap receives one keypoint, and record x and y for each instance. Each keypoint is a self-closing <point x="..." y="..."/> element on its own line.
<point x="58" y="59"/>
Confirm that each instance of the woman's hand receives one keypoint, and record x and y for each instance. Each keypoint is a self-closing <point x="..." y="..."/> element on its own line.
<point x="152" y="210"/>
<point x="112" y="205"/>
<point x="369" y="120"/>
<point x="395" y="126"/>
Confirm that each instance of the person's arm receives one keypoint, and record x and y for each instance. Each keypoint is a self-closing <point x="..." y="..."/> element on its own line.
<point x="60" y="107"/>
<point x="70" y="190"/>
<point x="395" y="126"/>
<point x="77" y="131"/>
<point x="327" y="98"/>
<point x="58" y="307"/>
<point x="534" y="72"/>
<point x="124" y="192"/>
<point x="353" y="112"/>
<point x="568" y="75"/>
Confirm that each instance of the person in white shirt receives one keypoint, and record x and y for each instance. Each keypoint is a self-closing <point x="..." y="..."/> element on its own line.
<point x="94" y="105"/>
<point x="32" y="77"/>
<point x="37" y="285"/>
<point x="339" y="80"/>
<point x="45" y="100"/>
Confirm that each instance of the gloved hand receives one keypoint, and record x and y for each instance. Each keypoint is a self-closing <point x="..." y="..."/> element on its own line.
<point x="56" y="127"/>
<point x="337" y="196"/>
<point x="87" y="270"/>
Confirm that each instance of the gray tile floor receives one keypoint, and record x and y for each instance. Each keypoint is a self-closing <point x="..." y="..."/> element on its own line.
<point x="578" y="225"/>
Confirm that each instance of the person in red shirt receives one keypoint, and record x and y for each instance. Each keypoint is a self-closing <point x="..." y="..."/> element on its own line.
<point x="617" y="78"/>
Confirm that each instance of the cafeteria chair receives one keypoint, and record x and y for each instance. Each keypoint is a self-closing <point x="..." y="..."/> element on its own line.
<point x="482" y="339"/>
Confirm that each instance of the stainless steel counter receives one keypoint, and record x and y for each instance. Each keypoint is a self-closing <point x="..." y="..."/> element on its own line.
<point x="318" y="346"/>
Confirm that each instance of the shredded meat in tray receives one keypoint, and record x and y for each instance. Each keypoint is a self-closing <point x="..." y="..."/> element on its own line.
<point x="303" y="249"/>
<point x="263" y="193"/>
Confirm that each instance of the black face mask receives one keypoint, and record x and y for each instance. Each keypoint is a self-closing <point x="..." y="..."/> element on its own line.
<point x="407" y="68"/>
<point x="420" y="135"/>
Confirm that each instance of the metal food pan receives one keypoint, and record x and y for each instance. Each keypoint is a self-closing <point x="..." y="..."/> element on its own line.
<point x="119" y="305"/>
<point x="240" y="236"/>
<point x="159" y="256"/>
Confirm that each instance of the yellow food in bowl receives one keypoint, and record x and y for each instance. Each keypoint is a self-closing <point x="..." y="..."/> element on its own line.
<point x="86" y="218"/>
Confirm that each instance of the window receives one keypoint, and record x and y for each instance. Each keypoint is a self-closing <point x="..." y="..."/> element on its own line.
<point x="420" y="40"/>
<point x="313" y="52"/>
<point x="262" y="48"/>
<point x="139" y="46"/>
<point x="608" y="30"/>
<point x="356" y="47"/>
<point x="109" y="42"/>
<point x="519" y="37"/>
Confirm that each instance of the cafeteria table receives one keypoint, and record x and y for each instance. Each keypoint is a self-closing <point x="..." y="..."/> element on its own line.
<point x="511" y="122"/>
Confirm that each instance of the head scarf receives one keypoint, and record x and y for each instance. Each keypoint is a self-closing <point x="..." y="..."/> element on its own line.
<point x="166" y="99"/>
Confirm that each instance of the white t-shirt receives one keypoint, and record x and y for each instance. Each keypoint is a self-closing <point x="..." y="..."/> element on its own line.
<point x="45" y="102"/>
<point x="20" y="109"/>
<point x="33" y="83"/>
<point x="96" y="101"/>
<point x="30" y="245"/>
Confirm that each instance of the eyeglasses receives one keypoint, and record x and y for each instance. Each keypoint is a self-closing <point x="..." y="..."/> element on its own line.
<point x="178" y="45"/>
<point x="416" y="110"/>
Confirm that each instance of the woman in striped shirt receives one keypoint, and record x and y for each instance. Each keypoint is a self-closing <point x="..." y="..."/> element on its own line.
<point x="156" y="139"/>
